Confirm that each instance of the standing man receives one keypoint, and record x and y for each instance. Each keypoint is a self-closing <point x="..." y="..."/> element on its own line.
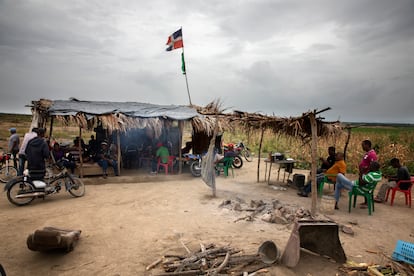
<point x="364" y="166"/>
<point x="37" y="152"/>
<point x="14" y="142"/>
<point x="22" y="155"/>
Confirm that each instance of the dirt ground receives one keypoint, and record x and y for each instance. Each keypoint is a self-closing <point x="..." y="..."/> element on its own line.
<point x="128" y="222"/>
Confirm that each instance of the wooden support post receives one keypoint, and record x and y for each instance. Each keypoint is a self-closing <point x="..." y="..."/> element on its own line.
<point x="50" y="130"/>
<point x="80" y="151"/>
<point x="118" y="148"/>
<point x="180" y="143"/>
<point x="314" y="157"/>
<point x="260" y="154"/>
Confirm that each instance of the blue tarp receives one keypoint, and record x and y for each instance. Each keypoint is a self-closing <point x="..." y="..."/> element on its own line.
<point x="132" y="109"/>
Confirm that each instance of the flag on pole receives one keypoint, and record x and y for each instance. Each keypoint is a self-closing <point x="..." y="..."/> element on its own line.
<point x="182" y="63"/>
<point x="175" y="41"/>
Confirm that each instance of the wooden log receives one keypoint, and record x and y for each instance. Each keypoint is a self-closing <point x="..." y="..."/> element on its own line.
<point x="181" y="273"/>
<point x="154" y="264"/>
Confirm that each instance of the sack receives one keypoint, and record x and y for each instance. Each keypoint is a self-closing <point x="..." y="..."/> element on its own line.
<point x="51" y="238"/>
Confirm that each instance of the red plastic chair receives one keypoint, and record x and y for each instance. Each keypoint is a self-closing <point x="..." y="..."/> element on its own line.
<point x="167" y="165"/>
<point x="407" y="192"/>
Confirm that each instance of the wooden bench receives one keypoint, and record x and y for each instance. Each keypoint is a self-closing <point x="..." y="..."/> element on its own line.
<point x="91" y="169"/>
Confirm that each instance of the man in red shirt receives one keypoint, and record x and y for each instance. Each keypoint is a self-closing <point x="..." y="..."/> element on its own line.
<point x="369" y="157"/>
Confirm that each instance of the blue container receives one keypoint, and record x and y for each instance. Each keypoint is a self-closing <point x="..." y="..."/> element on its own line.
<point x="404" y="252"/>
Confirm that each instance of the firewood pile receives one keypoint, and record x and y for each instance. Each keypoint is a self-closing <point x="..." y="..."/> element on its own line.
<point x="210" y="260"/>
<point x="272" y="211"/>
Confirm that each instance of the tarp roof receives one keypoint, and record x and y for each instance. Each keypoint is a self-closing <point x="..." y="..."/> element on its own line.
<point x="132" y="109"/>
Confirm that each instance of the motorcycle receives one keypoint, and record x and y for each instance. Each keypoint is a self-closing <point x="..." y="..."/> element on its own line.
<point x="7" y="171"/>
<point x="195" y="163"/>
<point x="238" y="161"/>
<point x="22" y="190"/>
<point x="244" y="151"/>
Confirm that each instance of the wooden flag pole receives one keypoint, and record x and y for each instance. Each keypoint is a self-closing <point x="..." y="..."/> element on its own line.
<point x="185" y="74"/>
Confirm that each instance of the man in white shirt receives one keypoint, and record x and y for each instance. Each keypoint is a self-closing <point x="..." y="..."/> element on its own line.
<point x="22" y="155"/>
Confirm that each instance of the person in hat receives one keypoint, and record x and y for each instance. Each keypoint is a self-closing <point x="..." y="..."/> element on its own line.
<point x="14" y="142"/>
<point x="106" y="157"/>
<point x="163" y="154"/>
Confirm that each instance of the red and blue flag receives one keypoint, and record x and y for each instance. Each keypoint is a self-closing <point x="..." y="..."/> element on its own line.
<point x="175" y="41"/>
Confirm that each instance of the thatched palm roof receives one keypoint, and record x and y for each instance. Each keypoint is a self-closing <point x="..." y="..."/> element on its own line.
<point x="293" y="126"/>
<point x="122" y="116"/>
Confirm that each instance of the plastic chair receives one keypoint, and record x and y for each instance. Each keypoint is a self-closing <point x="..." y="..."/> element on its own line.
<point x="366" y="191"/>
<point x="326" y="180"/>
<point x="166" y="166"/>
<point x="225" y="165"/>
<point x="397" y="188"/>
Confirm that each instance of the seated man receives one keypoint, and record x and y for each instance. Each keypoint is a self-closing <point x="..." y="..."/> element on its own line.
<point x="329" y="161"/>
<point x="59" y="157"/>
<point x="402" y="174"/>
<point x="106" y="157"/>
<point x="218" y="158"/>
<point x="338" y="167"/>
<point x="372" y="176"/>
<point x="162" y="153"/>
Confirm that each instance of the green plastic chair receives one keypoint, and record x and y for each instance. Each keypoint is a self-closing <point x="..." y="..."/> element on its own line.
<point x="325" y="180"/>
<point x="366" y="191"/>
<point x="224" y="166"/>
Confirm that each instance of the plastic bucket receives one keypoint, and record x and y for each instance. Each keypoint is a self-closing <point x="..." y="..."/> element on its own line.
<point x="327" y="205"/>
<point x="268" y="252"/>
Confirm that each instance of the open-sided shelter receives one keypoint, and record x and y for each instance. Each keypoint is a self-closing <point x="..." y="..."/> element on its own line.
<point x="120" y="121"/>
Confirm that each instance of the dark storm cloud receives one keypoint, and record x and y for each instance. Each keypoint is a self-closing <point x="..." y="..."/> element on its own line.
<point x="275" y="57"/>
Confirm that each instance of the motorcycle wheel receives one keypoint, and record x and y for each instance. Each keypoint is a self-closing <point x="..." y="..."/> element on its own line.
<point x="7" y="173"/>
<point x="75" y="186"/>
<point x="17" y="188"/>
<point x="247" y="155"/>
<point x="237" y="162"/>
<point x="195" y="168"/>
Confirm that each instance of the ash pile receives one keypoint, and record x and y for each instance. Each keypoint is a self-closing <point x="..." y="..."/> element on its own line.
<point x="272" y="211"/>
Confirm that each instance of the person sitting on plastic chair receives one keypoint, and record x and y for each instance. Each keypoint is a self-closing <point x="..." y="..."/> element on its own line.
<point x="374" y="175"/>
<point x="402" y="174"/>
<point x="338" y="167"/>
<point x="218" y="158"/>
<point x="162" y="153"/>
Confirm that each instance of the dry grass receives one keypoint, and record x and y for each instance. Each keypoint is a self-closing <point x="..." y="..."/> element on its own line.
<point x="389" y="141"/>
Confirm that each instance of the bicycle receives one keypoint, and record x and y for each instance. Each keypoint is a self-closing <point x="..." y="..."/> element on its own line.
<point x="7" y="171"/>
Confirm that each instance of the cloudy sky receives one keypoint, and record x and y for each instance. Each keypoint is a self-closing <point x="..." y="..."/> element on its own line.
<point x="269" y="56"/>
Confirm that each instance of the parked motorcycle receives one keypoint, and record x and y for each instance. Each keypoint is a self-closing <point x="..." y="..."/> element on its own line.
<point x="22" y="190"/>
<point x="195" y="163"/>
<point x="244" y="151"/>
<point x="7" y="171"/>
<point x="238" y="161"/>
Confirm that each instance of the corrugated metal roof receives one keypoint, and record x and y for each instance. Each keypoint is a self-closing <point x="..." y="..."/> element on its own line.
<point x="133" y="109"/>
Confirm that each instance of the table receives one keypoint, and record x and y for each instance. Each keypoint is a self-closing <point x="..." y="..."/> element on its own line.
<point x="287" y="164"/>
